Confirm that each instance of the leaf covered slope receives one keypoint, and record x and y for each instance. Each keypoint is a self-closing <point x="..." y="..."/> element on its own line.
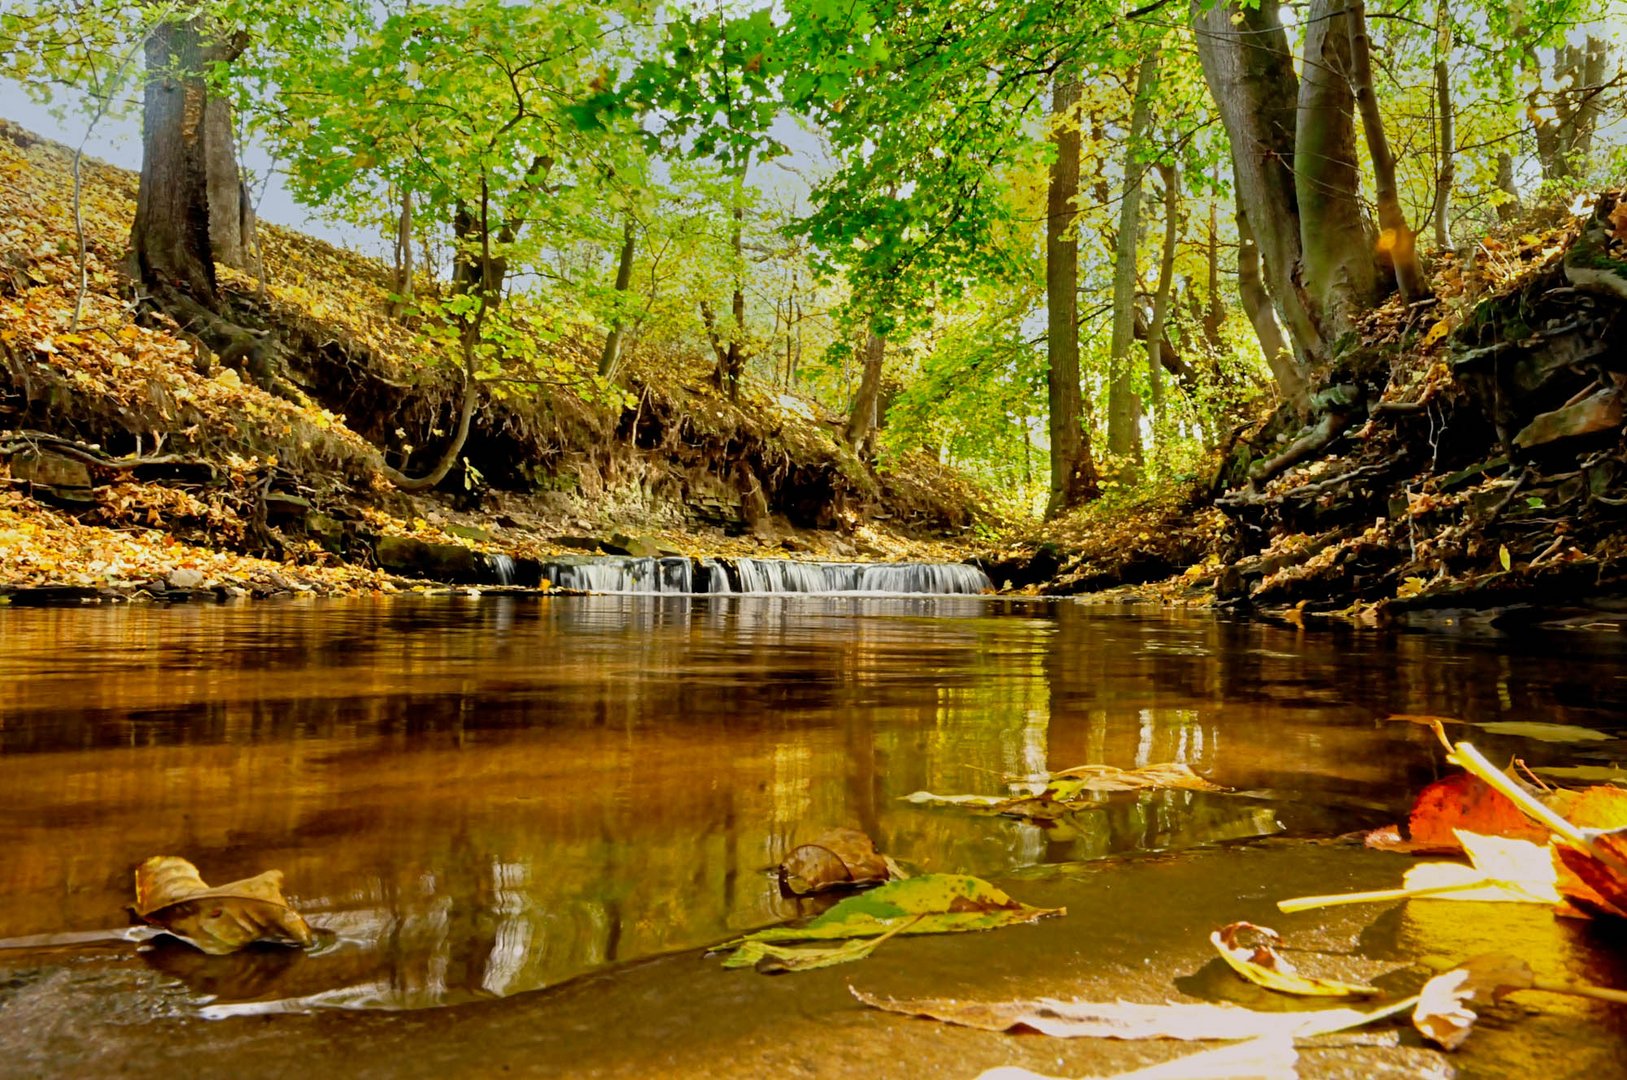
<point x="176" y="464"/>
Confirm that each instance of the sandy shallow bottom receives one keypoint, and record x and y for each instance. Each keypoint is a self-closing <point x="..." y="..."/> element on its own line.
<point x="1136" y="930"/>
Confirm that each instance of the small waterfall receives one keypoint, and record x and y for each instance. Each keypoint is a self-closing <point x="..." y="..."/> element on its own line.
<point x="679" y="575"/>
<point x="711" y="576"/>
<point x="502" y="568"/>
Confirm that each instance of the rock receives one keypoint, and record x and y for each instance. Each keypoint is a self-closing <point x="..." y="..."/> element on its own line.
<point x="328" y="531"/>
<point x="419" y="558"/>
<point x="469" y="532"/>
<point x="280" y="505"/>
<point x="184" y="579"/>
<point x="50" y="470"/>
<point x="639" y="547"/>
<point x="1591" y="415"/>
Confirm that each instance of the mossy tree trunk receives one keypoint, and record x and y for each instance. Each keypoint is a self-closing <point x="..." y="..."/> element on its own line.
<point x="1336" y="251"/>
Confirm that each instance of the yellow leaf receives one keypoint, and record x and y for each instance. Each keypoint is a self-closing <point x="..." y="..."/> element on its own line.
<point x="1262" y="965"/>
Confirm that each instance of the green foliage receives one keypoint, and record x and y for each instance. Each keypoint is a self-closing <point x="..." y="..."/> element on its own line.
<point x="531" y="135"/>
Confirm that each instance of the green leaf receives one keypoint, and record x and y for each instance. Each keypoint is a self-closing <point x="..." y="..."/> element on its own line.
<point x="929" y="904"/>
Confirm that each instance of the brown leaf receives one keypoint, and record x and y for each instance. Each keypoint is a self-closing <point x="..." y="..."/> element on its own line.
<point x="1106" y="778"/>
<point x="223" y="919"/>
<point x="840" y="859"/>
<point x="1462" y="801"/>
<point x="1443" y="1014"/>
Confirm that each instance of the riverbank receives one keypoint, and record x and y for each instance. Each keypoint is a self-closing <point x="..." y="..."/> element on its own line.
<point x="129" y="456"/>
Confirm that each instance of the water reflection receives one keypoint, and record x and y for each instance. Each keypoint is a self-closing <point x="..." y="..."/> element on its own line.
<point x="479" y="797"/>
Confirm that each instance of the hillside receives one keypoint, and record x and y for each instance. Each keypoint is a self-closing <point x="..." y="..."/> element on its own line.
<point x="126" y="463"/>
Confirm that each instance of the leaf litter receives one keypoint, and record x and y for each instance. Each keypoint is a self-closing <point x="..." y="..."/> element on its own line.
<point x="1049" y="796"/>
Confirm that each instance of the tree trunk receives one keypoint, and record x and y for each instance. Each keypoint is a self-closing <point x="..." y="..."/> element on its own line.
<point x="1072" y="471"/>
<point x="1214" y="315"/>
<point x="1337" y="254"/>
<point x="611" y="357"/>
<point x="862" y="422"/>
<point x="403" y="283"/>
<point x="1595" y="62"/>
<point x="1251" y="289"/>
<point x="1123" y="405"/>
<point x="231" y="211"/>
<point x="1166" y="282"/>
<point x="1250" y="73"/>
<point x="1446" y="128"/>
<point x="170" y="239"/>
<point x="1397" y="240"/>
<point x="1509" y="208"/>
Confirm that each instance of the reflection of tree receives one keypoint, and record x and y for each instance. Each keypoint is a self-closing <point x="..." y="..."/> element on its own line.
<point x="481" y="798"/>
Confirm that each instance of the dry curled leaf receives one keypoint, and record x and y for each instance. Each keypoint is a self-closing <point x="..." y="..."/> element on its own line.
<point x="1250" y="951"/>
<point x="841" y="858"/>
<point x="1443" y="1014"/>
<point x="171" y="895"/>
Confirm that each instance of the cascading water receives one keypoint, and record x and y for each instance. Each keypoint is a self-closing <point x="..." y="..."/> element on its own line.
<point x="502" y="568"/>
<point x="679" y="575"/>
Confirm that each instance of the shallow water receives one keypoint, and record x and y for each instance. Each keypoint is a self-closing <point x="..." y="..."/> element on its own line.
<point x="477" y="797"/>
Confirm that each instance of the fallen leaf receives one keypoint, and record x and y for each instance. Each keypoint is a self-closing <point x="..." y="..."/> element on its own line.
<point x="1061" y="793"/>
<point x="1545" y="732"/>
<point x="1591" y="774"/>
<point x="841" y="858"/>
<point x="1502" y="870"/>
<point x="223" y="919"/>
<point x="1170" y="775"/>
<point x="1443" y="1014"/>
<point x="1074" y="1019"/>
<point x="931" y="799"/>
<point x="1258" y="961"/>
<point x="1589" y="884"/>
<point x="1268" y="1058"/>
<point x="1462" y="801"/>
<point x="928" y="904"/>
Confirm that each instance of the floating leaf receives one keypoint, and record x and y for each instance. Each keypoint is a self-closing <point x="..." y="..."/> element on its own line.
<point x="1170" y="775"/>
<point x="929" y="904"/>
<point x="930" y="799"/>
<point x="1591" y="774"/>
<point x="223" y="919"/>
<point x="773" y="959"/>
<point x="841" y="858"/>
<point x="1545" y="732"/>
<point x="1076" y="1019"/>
<point x="1261" y="964"/>
<point x="1443" y="1014"/>
<point x="1066" y="791"/>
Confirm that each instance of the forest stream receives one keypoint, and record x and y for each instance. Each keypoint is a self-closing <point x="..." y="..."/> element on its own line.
<point x="516" y="824"/>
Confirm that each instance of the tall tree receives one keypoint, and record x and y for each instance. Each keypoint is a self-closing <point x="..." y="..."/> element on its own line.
<point x="1397" y="242"/>
<point x="1123" y="404"/>
<point x="1073" y="472"/>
